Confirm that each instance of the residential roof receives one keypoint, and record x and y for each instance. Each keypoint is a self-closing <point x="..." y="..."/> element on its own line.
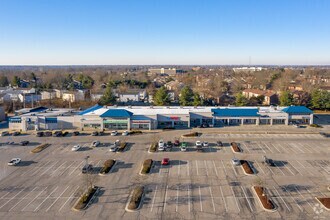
<point x="297" y="110"/>
<point x="260" y="92"/>
<point x="91" y="109"/>
<point x="235" y="112"/>
<point x="117" y="113"/>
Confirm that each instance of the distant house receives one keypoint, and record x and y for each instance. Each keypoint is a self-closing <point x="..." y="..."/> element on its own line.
<point x="174" y="85"/>
<point x="295" y="86"/>
<point x="74" y="96"/>
<point x="29" y="98"/>
<point x="96" y="96"/>
<point x="46" y="95"/>
<point x="270" y="97"/>
<point x="131" y="95"/>
<point x="24" y="83"/>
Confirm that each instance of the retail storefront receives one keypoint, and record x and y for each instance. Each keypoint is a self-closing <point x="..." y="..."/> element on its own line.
<point x="113" y="124"/>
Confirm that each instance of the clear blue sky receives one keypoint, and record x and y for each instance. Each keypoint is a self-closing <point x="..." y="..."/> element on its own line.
<point x="38" y="32"/>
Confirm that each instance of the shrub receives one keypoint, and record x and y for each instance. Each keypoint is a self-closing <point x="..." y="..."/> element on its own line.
<point x="316" y="126"/>
<point x="246" y="166"/>
<point x="153" y="147"/>
<point x="135" y="132"/>
<point x="122" y="146"/>
<point x="235" y="147"/>
<point x="85" y="198"/>
<point x="136" y="198"/>
<point x="146" y="166"/>
<point x="108" y="164"/>
<point x="40" y="148"/>
<point x="193" y="134"/>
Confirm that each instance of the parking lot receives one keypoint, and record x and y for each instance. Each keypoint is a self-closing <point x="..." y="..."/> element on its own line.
<point x="194" y="186"/>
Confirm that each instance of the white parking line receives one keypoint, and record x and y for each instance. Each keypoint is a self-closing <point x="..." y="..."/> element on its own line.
<point x="296" y="169"/>
<point x="287" y="168"/>
<point x="207" y="173"/>
<point x="234" y="169"/>
<point x="57" y="199"/>
<point x="200" y="198"/>
<point x="293" y="199"/>
<point x="7" y="193"/>
<point x="160" y="170"/>
<point x="247" y="199"/>
<point x="38" y="169"/>
<point x="177" y="199"/>
<point x="12" y="198"/>
<point x="22" y="199"/>
<point x="34" y="198"/>
<point x="245" y="147"/>
<point x="164" y="207"/>
<point x="179" y="167"/>
<point x="259" y="166"/>
<point x="223" y="199"/>
<point x="153" y="199"/>
<point x="76" y="167"/>
<point x="303" y="197"/>
<point x="215" y="168"/>
<point x="196" y="167"/>
<point x="274" y="147"/>
<point x="188" y="172"/>
<point x="57" y="169"/>
<point x="282" y="199"/>
<point x="67" y="168"/>
<point x="212" y="199"/>
<point x="68" y="199"/>
<point x="304" y="147"/>
<point x="263" y="144"/>
<point x="259" y="146"/>
<point x="224" y="167"/>
<point x="48" y="169"/>
<point x="279" y="170"/>
<point x="295" y="147"/>
<point x="232" y="191"/>
<point x="189" y="199"/>
<point x="45" y="199"/>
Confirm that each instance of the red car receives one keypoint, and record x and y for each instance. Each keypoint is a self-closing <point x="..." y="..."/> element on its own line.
<point x="165" y="161"/>
<point x="176" y="142"/>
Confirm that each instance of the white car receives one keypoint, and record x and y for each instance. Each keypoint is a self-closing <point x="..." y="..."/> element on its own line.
<point x="125" y="133"/>
<point x="198" y="144"/>
<point x="205" y="144"/>
<point x="114" y="133"/>
<point x="76" y="148"/>
<point x="113" y="148"/>
<point x="236" y="162"/>
<point x="117" y="143"/>
<point x="161" y="145"/>
<point x="95" y="143"/>
<point x="14" y="161"/>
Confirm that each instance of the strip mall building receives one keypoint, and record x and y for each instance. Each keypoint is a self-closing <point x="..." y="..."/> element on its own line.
<point x="156" y="117"/>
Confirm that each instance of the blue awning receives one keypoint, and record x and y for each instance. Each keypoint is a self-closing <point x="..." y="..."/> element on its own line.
<point x="297" y="110"/>
<point x="236" y="112"/>
<point x="91" y="109"/>
<point x="117" y="113"/>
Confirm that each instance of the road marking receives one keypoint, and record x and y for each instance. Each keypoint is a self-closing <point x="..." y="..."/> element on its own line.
<point x="223" y="198"/>
<point x="274" y="147"/>
<point x="189" y="198"/>
<point x="57" y="199"/>
<point x="293" y="199"/>
<point x="224" y="167"/>
<point x="296" y="147"/>
<point x="207" y="173"/>
<point x="66" y="168"/>
<point x="38" y="169"/>
<point x="48" y="169"/>
<point x="68" y="198"/>
<point x="296" y="169"/>
<point x="164" y="207"/>
<point x="177" y="199"/>
<point x="179" y="167"/>
<point x="232" y="191"/>
<point x="304" y="147"/>
<point x="34" y="198"/>
<point x="245" y="147"/>
<point x="160" y="169"/>
<point x="7" y="193"/>
<point x="303" y="197"/>
<point x="212" y="199"/>
<point x="247" y="199"/>
<point x="153" y="199"/>
<point x="22" y="199"/>
<point x="76" y="167"/>
<point x="12" y="198"/>
<point x="188" y="172"/>
<point x="287" y="167"/>
<point x="215" y="168"/>
<point x="259" y="166"/>
<point x="57" y="169"/>
<point x="200" y="198"/>
<point x="234" y="169"/>
<point x="279" y="169"/>
<point x="282" y="199"/>
<point x="260" y="146"/>
<point x="196" y="167"/>
<point x="45" y="199"/>
<point x="264" y="144"/>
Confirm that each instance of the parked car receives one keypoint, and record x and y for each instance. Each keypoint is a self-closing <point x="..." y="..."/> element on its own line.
<point x="125" y="133"/>
<point x="48" y="134"/>
<point x="4" y="133"/>
<point x="114" y="133"/>
<point x="176" y="142"/>
<point x="10" y="142"/>
<point x="161" y="145"/>
<point x="14" y="161"/>
<point x="296" y="126"/>
<point x="219" y="144"/>
<point x="113" y="148"/>
<point x="75" y="133"/>
<point x="40" y="134"/>
<point x="95" y="143"/>
<point x="169" y="144"/>
<point x="198" y="143"/>
<point x="268" y="161"/>
<point x="24" y="143"/>
<point x="165" y="161"/>
<point x="76" y="148"/>
<point x="205" y="144"/>
<point x="57" y="134"/>
<point x="87" y="168"/>
<point x="16" y="133"/>
<point x="183" y="146"/>
<point x="235" y="162"/>
<point x="117" y="143"/>
<point x="95" y="133"/>
<point x="65" y="133"/>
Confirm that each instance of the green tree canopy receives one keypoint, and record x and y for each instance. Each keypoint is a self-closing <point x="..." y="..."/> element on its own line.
<point x="286" y="98"/>
<point x="321" y="99"/>
<point x="197" y="100"/>
<point x="87" y="81"/>
<point x="186" y="96"/>
<point x="240" y="100"/>
<point x="108" y="97"/>
<point x="4" y="81"/>
<point x="162" y="97"/>
<point x="16" y="81"/>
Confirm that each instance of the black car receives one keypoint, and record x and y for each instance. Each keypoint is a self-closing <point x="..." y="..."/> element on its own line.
<point x="16" y="133"/>
<point x="75" y="133"/>
<point x="65" y="133"/>
<point x="219" y="144"/>
<point x="169" y="144"/>
<point x="57" y="134"/>
<point x="40" y="134"/>
<point x="24" y="143"/>
<point x="48" y="134"/>
<point x="87" y="168"/>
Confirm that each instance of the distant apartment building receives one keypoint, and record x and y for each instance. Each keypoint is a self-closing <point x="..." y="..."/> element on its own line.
<point x="131" y="95"/>
<point x="29" y="98"/>
<point x="270" y="97"/>
<point x="73" y="96"/>
<point x="46" y="95"/>
<point x="163" y="71"/>
<point x="248" y="69"/>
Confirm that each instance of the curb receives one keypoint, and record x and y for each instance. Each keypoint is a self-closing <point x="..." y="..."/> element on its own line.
<point x="235" y="151"/>
<point x="247" y="174"/>
<point x="262" y="206"/>
<point x="129" y="199"/>
<point x="142" y="174"/>
<point x="86" y="206"/>
<point x="101" y="174"/>
<point x="322" y="204"/>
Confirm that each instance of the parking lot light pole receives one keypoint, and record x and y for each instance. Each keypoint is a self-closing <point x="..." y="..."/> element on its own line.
<point x="87" y="173"/>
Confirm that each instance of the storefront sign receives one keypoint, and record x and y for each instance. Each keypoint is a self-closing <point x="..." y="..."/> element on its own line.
<point x="140" y="122"/>
<point x="175" y="118"/>
<point x="114" y="121"/>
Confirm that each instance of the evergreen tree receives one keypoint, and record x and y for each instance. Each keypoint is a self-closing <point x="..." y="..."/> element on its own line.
<point x="108" y="97"/>
<point x="241" y="100"/>
<point x="321" y="99"/>
<point x="161" y="97"/>
<point x="286" y="98"/>
<point x="186" y="96"/>
<point x="197" y="100"/>
<point x="4" y="81"/>
<point x="16" y="81"/>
